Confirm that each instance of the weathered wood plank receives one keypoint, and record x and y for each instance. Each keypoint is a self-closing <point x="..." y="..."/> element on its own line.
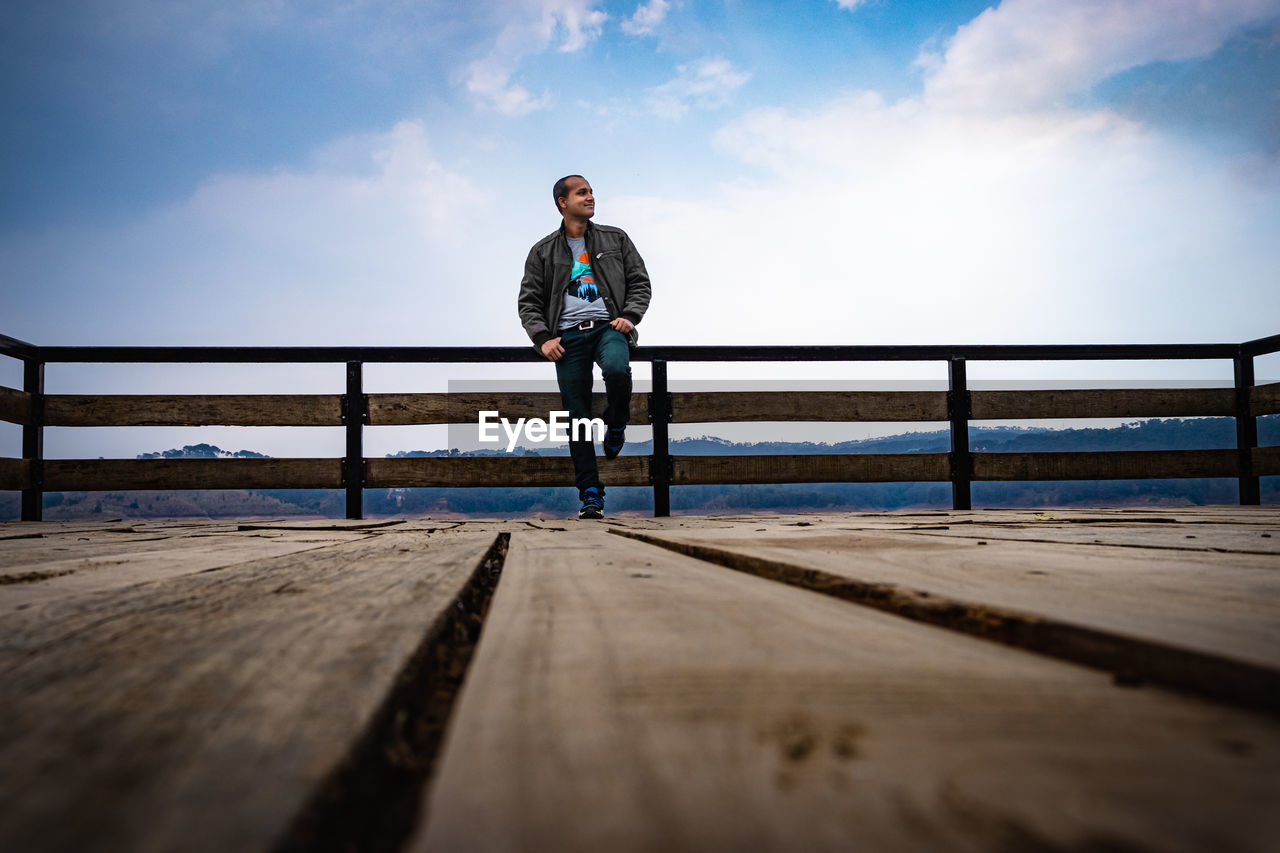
<point x="56" y="567"/>
<point x="1265" y="399"/>
<point x="1266" y="461"/>
<point x="57" y="542"/>
<point x="15" y="406"/>
<point x="72" y="475"/>
<point x="410" y="409"/>
<point x="1215" y="538"/>
<point x="85" y="410"/>
<point x="201" y="712"/>
<point x="15" y="474"/>
<point x="513" y="471"/>
<point x="627" y="699"/>
<point x="735" y="406"/>
<point x="1109" y="465"/>
<point x="1224" y="605"/>
<point x="811" y="468"/>
<point x="1103" y="403"/>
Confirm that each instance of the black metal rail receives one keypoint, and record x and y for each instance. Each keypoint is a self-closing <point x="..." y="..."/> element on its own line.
<point x="355" y="407"/>
<point x="473" y="355"/>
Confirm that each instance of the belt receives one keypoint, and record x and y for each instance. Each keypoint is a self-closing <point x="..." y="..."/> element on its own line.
<point x="588" y="324"/>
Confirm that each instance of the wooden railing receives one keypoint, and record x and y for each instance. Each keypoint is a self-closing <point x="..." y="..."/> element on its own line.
<point x="32" y="408"/>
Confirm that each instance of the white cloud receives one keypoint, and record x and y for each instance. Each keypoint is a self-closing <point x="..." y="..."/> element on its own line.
<point x="1027" y="54"/>
<point x="577" y="19"/>
<point x="376" y="242"/>
<point x="982" y="211"/>
<point x="708" y="84"/>
<point x="849" y="4"/>
<point x="490" y="84"/>
<point x="646" y="19"/>
<point x="877" y="222"/>
<point x="530" y="28"/>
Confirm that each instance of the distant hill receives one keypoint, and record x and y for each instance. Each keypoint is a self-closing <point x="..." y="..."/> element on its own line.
<point x="1156" y="434"/>
<point x="203" y="451"/>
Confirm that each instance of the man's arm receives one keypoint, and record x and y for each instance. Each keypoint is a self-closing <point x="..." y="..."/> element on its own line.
<point x="531" y="305"/>
<point x="637" y="279"/>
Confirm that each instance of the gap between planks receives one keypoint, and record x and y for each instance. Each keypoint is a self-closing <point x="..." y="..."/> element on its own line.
<point x="634" y="699"/>
<point x="203" y="712"/>
<point x="1132" y="660"/>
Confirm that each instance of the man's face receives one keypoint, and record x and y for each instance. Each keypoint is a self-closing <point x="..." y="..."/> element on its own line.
<point x="578" y="200"/>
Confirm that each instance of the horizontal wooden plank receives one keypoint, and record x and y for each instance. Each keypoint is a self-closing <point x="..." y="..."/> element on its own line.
<point x="624" y="698"/>
<point x="1126" y="533"/>
<point x="76" y="475"/>
<point x="15" y="474"/>
<point x="1265" y="399"/>
<point x="128" y="474"/>
<point x="811" y="468"/>
<point x="687" y="407"/>
<point x="202" y="712"/>
<point x="1266" y="461"/>
<point x="499" y="471"/>
<point x="410" y="409"/>
<point x="15" y="406"/>
<point x="737" y="406"/>
<point x="87" y="410"/>
<point x="1103" y="403"/>
<point x="64" y="565"/>
<point x="1112" y="465"/>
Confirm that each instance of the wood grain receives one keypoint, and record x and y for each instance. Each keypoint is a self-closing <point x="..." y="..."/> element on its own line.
<point x="1203" y="537"/>
<point x="407" y="409"/>
<point x="201" y="712"/>
<point x="15" y="474"/>
<point x="15" y="406"/>
<point x="1265" y="399"/>
<point x="625" y="698"/>
<point x="85" y="410"/>
<point x="1103" y="403"/>
<point x="880" y="406"/>
<point x="1109" y="465"/>
<point x="508" y="472"/>
<point x="811" y="468"/>
<point x="75" y="564"/>
<point x="1266" y="461"/>
<point x="1225" y="604"/>
<point x="70" y="475"/>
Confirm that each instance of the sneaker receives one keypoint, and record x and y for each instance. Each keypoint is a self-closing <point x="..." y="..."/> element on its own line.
<point x="592" y="504"/>
<point x="614" y="438"/>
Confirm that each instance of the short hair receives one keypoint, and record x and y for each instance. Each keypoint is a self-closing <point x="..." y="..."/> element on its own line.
<point x="561" y="190"/>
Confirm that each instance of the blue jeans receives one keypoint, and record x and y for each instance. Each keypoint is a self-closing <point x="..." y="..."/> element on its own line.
<point x="607" y="347"/>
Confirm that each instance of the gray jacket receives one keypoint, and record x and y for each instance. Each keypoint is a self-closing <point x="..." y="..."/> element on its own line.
<point x="618" y="268"/>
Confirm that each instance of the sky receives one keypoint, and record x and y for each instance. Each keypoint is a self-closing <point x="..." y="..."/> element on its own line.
<point x="373" y="172"/>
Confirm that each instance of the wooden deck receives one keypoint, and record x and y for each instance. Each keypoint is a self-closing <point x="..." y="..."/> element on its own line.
<point x="971" y="681"/>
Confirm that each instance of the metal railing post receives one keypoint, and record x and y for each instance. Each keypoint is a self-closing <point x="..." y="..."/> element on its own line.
<point x="1246" y="430"/>
<point x="660" y="463"/>
<point x="958" y="413"/>
<point x="355" y="411"/>
<point x="33" y="441"/>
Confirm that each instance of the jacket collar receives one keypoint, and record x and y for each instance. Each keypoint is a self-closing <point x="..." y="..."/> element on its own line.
<point x="587" y="234"/>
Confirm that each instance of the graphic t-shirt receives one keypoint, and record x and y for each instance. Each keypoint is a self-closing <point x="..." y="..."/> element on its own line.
<point x="582" y="298"/>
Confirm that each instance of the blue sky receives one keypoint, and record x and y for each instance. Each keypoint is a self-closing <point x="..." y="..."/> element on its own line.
<point x="374" y="171"/>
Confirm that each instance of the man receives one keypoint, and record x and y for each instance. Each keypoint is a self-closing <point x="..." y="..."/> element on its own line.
<point x="584" y="290"/>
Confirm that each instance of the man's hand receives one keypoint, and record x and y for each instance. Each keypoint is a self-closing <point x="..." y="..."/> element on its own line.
<point x="552" y="349"/>
<point x="622" y="324"/>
